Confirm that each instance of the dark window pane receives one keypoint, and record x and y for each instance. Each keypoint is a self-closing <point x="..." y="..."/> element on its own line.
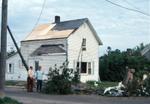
<point x="84" y="44"/>
<point x="89" y="68"/>
<point x="83" y="67"/>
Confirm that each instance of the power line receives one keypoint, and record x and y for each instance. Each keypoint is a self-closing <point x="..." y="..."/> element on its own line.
<point x="134" y="10"/>
<point x="38" y="19"/>
<point x="131" y="4"/>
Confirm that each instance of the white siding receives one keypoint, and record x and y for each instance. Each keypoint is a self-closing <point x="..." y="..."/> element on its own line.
<point x="30" y="46"/>
<point x="48" y="61"/>
<point x="91" y="53"/>
<point x="19" y="73"/>
<point x="72" y="45"/>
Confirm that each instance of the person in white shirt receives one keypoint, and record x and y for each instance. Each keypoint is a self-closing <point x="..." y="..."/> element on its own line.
<point x="39" y="77"/>
<point x="30" y="79"/>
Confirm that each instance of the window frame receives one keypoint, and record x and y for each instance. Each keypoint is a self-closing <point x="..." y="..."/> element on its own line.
<point x="87" y="68"/>
<point x="10" y="68"/>
<point x="84" y="44"/>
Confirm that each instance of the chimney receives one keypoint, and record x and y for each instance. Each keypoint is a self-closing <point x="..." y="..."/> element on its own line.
<point x="57" y="19"/>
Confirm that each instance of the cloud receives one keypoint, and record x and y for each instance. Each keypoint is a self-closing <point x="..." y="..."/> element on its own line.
<point x="113" y="24"/>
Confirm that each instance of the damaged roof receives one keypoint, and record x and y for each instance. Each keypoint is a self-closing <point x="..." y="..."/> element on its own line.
<point x="61" y="29"/>
<point x="55" y="30"/>
<point x="72" y="24"/>
<point x="48" y="49"/>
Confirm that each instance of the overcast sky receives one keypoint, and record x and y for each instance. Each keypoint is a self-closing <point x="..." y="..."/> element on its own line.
<point x="116" y="27"/>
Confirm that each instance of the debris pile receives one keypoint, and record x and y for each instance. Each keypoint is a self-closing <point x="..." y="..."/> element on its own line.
<point x="115" y="91"/>
<point x="133" y="88"/>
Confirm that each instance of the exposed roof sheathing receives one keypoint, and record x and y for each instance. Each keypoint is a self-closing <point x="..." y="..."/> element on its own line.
<point x="45" y="32"/>
<point x="55" y="30"/>
<point x="62" y="29"/>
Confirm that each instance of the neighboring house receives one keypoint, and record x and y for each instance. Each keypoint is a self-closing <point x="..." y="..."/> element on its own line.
<point x="146" y="52"/>
<point x="75" y="41"/>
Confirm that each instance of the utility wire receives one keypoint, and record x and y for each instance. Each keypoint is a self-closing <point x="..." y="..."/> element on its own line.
<point x="134" y="10"/>
<point x="131" y="4"/>
<point x="38" y="19"/>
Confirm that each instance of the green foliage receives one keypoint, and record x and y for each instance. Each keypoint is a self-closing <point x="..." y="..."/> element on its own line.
<point x="15" y="83"/>
<point x="92" y="84"/>
<point x="132" y="87"/>
<point x="76" y="78"/>
<point x="100" y="85"/>
<point x="112" y="65"/>
<point x="60" y="80"/>
<point x="104" y="85"/>
<point x="8" y="100"/>
<point x="146" y="84"/>
<point x="138" y="87"/>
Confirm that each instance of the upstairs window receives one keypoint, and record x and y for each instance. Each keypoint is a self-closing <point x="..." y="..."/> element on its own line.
<point x="84" y="44"/>
<point x="89" y="68"/>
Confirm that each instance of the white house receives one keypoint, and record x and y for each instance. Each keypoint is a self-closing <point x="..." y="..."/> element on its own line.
<point x="75" y="41"/>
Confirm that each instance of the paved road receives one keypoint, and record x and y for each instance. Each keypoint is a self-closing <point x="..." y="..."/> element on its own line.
<point x="37" y="98"/>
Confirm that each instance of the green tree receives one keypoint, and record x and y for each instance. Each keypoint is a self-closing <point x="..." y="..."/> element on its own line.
<point x="112" y="64"/>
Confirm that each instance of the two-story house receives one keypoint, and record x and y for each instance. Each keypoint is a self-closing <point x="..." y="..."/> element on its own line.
<point x="75" y="41"/>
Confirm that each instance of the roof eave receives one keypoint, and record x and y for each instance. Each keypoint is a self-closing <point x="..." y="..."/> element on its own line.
<point x="94" y="32"/>
<point x="43" y="39"/>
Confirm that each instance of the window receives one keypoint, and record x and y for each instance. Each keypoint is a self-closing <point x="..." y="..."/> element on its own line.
<point x="84" y="44"/>
<point x="89" y="68"/>
<point x="10" y="68"/>
<point x="84" y="67"/>
<point x="78" y="66"/>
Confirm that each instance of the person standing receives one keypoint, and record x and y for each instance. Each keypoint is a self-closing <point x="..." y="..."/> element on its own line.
<point x="30" y="79"/>
<point x="39" y="77"/>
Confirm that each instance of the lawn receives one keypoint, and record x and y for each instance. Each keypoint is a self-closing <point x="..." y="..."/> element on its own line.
<point x="100" y="85"/>
<point x="15" y="83"/>
<point x="104" y="85"/>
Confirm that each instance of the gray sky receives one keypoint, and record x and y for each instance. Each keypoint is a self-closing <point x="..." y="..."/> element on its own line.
<point x="116" y="27"/>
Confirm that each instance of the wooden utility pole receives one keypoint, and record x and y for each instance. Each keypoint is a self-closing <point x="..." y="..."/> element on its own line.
<point x="3" y="47"/>
<point x="18" y="50"/>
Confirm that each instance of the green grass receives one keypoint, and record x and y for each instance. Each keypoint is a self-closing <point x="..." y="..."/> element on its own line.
<point x="101" y="85"/>
<point x="104" y="85"/>
<point x="14" y="83"/>
<point x="8" y="100"/>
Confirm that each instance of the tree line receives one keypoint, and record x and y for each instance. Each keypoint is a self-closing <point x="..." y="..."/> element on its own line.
<point x="113" y="63"/>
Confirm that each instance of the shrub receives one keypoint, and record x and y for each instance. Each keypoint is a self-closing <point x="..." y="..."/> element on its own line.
<point x="132" y="87"/>
<point x="8" y="100"/>
<point x="60" y="80"/>
<point x="76" y="78"/>
<point x="138" y="87"/>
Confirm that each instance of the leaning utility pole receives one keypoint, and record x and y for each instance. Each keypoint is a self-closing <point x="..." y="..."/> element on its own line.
<point x="18" y="50"/>
<point x="3" y="47"/>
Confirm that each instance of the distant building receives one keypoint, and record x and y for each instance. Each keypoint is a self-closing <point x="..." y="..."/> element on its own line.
<point x="146" y="52"/>
<point x="75" y="41"/>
